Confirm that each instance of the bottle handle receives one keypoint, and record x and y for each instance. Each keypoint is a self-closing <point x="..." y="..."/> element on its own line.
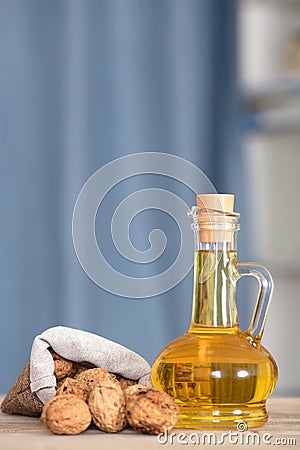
<point x="266" y="285"/>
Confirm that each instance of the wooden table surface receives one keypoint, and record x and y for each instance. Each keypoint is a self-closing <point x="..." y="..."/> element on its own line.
<point x="19" y="432"/>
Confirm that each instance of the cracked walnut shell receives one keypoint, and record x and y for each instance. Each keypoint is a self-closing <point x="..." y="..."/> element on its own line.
<point x="151" y="411"/>
<point x="66" y="414"/>
<point x="107" y="405"/>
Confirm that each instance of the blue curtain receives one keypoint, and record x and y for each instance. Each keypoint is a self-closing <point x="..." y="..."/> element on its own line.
<point x="83" y="82"/>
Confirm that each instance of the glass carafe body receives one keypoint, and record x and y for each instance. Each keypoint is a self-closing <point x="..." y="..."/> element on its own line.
<point x="218" y="375"/>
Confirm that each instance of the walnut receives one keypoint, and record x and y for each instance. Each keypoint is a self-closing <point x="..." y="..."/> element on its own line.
<point x="59" y="383"/>
<point x="97" y="375"/>
<point x="75" y="387"/>
<point x="62" y="367"/>
<point x="66" y="414"/>
<point x="107" y="405"/>
<point x="136" y="388"/>
<point x="125" y="382"/>
<point x="81" y="367"/>
<point x="150" y="411"/>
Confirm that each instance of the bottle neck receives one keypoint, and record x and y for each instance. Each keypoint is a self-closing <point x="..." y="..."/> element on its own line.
<point x="214" y="298"/>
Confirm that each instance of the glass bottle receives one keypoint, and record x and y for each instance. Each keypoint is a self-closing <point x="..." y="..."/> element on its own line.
<point x="217" y="374"/>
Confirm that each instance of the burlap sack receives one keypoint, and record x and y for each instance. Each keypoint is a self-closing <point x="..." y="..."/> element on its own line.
<point x="61" y="352"/>
<point x="20" y="399"/>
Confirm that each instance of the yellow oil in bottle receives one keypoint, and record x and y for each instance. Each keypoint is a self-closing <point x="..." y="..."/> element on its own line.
<point x="217" y="374"/>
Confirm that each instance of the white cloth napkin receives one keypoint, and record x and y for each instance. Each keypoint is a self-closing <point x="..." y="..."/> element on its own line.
<point x="80" y="346"/>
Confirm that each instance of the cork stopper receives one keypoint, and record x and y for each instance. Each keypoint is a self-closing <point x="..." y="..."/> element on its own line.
<point x="222" y="203"/>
